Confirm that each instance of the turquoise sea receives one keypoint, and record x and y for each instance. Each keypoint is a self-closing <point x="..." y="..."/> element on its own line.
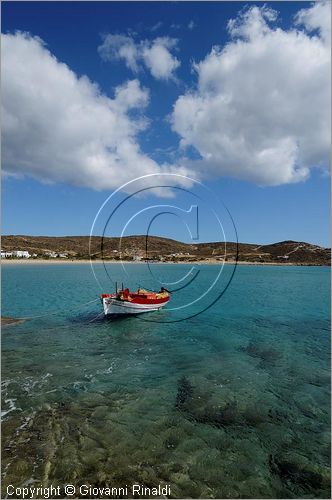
<point x="230" y="403"/>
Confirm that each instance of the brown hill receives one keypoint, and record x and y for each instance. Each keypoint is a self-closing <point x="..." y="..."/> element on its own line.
<point x="167" y="249"/>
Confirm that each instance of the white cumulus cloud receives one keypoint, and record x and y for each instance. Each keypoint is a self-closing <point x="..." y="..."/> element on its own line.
<point x="120" y="47"/>
<point x="156" y="55"/>
<point x="58" y="127"/>
<point x="318" y="17"/>
<point x="261" y="108"/>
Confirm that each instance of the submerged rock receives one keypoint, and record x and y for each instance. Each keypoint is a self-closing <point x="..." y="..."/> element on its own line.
<point x="254" y="416"/>
<point x="185" y="392"/>
<point x="221" y="417"/>
<point x="197" y="406"/>
<point x="297" y="473"/>
<point x="267" y="355"/>
<point x="210" y="414"/>
<point x="5" y="321"/>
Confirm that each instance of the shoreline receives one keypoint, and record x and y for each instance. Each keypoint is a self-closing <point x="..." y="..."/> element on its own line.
<point x="30" y="262"/>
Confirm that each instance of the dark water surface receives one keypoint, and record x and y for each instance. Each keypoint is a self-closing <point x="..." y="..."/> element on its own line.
<point x="232" y="403"/>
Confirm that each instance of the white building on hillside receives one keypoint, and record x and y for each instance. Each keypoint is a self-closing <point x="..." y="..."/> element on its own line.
<point x="4" y="254"/>
<point x="52" y="255"/>
<point x="22" y="254"/>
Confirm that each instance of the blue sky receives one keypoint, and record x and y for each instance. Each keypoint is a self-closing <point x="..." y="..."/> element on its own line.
<point x="258" y="141"/>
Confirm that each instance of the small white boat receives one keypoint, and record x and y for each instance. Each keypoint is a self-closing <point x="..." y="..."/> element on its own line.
<point x="124" y="302"/>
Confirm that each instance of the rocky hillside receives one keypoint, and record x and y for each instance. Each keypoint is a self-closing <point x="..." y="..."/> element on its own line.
<point x="166" y="249"/>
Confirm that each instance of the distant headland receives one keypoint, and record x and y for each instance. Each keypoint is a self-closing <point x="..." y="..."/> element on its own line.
<point x="158" y="249"/>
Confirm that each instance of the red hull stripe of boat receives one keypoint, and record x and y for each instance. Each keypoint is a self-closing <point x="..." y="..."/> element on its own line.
<point x="138" y="300"/>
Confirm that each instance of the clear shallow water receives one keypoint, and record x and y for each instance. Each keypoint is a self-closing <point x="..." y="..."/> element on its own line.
<point x="232" y="403"/>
